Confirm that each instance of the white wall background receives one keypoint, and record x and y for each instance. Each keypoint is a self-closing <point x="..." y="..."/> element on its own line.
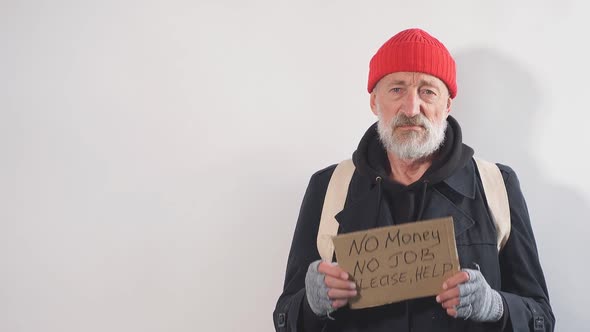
<point x="153" y="154"/>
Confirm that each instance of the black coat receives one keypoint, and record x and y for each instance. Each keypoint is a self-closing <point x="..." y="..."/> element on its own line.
<point x="516" y="272"/>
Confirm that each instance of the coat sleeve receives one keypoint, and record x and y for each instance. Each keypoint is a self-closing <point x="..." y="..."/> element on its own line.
<point x="523" y="283"/>
<point x="292" y="312"/>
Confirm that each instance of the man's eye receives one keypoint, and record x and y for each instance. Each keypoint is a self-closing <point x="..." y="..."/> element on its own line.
<point x="428" y="92"/>
<point x="396" y="90"/>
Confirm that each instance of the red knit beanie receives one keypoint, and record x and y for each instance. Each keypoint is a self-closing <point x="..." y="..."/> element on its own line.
<point x="413" y="50"/>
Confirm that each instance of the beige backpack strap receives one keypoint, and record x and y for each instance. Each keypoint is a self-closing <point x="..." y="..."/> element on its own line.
<point x="333" y="203"/>
<point x="497" y="198"/>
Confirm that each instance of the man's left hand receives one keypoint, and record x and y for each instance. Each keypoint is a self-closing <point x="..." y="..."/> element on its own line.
<point x="468" y="295"/>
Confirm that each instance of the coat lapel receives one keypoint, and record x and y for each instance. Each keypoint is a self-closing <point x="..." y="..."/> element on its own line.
<point x="440" y="206"/>
<point x="364" y="212"/>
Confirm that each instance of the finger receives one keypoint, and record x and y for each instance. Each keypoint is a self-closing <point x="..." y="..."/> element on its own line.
<point x="338" y="283"/>
<point x="332" y="270"/>
<point x="447" y="295"/>
<point x="337" y="294"/>
<point x="452" y="303"/>
<point x="452" y="312"/>
<point x="339" y="303"/>
<point x="456" y="279"/>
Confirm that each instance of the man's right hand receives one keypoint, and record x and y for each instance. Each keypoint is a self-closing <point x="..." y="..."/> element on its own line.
<point x="327" y="287"/>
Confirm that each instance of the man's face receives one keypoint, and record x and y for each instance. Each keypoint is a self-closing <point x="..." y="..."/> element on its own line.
<point x="412" y="110"/>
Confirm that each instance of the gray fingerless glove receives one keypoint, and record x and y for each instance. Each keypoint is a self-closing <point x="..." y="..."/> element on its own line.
<point x="477" y="300"/>
<point x="317" y="291"/>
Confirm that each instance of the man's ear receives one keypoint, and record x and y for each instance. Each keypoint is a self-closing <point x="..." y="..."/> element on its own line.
<point x="449" y="102"/>
<point x="372" y="102"/>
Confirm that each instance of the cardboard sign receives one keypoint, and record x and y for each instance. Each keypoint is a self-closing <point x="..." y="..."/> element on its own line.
<point x="395" y="263"/>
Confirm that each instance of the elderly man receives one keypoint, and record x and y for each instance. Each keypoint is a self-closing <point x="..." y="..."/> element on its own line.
<point x="412" y="165"/>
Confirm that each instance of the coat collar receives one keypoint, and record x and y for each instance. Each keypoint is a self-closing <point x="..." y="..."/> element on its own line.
<point x="463" y="180"/>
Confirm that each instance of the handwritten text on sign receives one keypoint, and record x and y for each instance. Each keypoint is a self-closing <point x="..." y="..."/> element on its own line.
<point x="395" y="263"/>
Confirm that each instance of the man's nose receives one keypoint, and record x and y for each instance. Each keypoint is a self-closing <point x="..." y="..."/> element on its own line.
<point x="411" y="104"/>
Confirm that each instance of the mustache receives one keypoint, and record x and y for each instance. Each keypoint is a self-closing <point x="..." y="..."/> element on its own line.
<point x="403" y="120"/>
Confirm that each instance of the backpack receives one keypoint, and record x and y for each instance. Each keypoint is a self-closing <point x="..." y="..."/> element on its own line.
<point x="493" y="186"/>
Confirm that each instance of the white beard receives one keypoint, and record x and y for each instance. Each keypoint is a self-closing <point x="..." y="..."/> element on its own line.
<point x="411" y="144"/>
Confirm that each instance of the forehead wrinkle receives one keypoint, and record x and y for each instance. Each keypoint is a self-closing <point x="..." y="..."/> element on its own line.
<point x="430" y="83"/>
<point x="414" y="79"/>
<point x="398" y="82"/>
<point x="421" y="82"/>
<point x="425" y="80"/>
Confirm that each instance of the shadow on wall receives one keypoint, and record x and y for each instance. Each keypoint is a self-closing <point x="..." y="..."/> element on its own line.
<point x="496" y="106"/>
